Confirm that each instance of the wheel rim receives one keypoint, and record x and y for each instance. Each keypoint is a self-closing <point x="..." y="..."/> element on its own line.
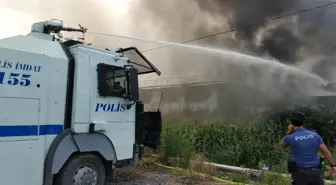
<point x="85" y="175"/>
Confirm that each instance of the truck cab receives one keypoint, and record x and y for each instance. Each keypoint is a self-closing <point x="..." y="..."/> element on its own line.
<point x="70" y="112"/>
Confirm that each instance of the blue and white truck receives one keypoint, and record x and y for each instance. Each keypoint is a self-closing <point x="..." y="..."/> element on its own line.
<point x="70" y="113"/>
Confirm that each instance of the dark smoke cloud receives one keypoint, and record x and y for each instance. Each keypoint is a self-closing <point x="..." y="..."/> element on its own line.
<point x="275" y="43"/>
<point x="317" y="27"/>
<point x="291" y="40"/>
<point x="241" y="13"/>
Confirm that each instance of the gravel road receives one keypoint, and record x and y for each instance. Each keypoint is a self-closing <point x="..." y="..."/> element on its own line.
<point x="153" y="175"/>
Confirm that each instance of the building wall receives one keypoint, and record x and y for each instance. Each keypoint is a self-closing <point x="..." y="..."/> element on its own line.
<point x="210" y="100"/>
<point x="216" y="100"/>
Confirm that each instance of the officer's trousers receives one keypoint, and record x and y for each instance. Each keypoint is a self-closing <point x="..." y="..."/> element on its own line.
<point x="307" y="176"/>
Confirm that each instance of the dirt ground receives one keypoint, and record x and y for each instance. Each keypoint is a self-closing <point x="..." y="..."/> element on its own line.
<point x="147" y="174"/>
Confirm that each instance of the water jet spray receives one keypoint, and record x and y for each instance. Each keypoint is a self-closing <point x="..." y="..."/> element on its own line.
<point x="243" y="58"/>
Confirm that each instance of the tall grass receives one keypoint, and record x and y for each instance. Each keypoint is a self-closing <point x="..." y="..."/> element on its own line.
<point x="247" y="143"/>
<point x="251" y="144"/>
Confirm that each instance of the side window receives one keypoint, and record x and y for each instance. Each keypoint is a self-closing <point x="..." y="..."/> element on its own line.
<point x="112" y="81"/>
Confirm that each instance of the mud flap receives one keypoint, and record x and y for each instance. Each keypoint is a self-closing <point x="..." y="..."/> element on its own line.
<point x="152" y="129"/>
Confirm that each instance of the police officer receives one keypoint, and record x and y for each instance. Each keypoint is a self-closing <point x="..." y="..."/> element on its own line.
<point x="118" y="89"/>
<point x="304" y="166"/>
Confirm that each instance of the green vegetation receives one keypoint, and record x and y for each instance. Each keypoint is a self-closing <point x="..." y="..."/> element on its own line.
<point x="253" y="143"/>
<point x="250" y="144"/>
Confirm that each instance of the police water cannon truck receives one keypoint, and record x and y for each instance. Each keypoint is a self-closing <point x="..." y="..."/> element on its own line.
<point x="70" y="113"/>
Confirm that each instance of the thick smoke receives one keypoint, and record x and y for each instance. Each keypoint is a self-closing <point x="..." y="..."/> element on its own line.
<point x="306" y="33"/>
<point x="305" y="40"/>
<point x="282" y="40"/>
<point x="292" y="40"/>
<point x="275" y="43"/>
<point x="242" y="13"/>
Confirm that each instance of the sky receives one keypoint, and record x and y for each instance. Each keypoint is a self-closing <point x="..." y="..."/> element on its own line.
<point x="16" y="22"/>
<point x="18" y="16"/>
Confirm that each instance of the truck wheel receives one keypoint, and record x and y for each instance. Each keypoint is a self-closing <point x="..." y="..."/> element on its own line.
<point x="87" y="169"/>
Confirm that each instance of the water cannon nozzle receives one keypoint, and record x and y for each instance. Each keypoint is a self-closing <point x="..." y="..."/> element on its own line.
<point x="81" y="29"/>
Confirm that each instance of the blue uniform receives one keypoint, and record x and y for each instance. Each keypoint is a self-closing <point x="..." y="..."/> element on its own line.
<point x="304" y="147"/>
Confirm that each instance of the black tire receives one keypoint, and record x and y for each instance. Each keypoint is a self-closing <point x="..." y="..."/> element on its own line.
<point x="65" y="176"/>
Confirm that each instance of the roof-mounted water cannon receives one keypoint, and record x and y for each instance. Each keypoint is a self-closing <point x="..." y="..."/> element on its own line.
<point x="54" y="26"/>
<point x="81" y="29"/>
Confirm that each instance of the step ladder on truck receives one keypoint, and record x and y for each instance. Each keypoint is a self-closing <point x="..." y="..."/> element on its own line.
<point x="70" y="112"/>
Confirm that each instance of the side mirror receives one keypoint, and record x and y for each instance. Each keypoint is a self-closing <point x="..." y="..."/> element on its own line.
<point x="133" y="84"/>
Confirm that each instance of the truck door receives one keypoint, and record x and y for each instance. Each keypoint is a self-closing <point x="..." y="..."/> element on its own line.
<point x="111" y="109"/>
<point x="148" y="124"/>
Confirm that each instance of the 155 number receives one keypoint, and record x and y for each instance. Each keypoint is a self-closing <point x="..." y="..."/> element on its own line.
<point x="15" y="79"/>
